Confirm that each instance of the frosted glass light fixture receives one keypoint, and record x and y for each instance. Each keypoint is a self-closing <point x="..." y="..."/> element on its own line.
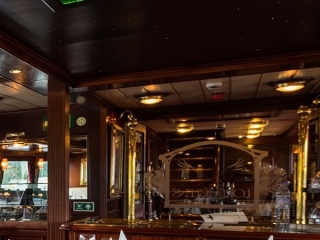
<point x="290" y="85"/>
<point x="184" y="128"/>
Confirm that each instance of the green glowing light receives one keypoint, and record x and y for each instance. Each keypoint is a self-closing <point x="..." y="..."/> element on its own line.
<point x="66" y="2"/>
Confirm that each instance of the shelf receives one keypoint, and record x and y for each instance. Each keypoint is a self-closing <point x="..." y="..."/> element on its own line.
<point x="192" y="180"/>
<point x="193" y="170"/>
<point x="193" y="159"/>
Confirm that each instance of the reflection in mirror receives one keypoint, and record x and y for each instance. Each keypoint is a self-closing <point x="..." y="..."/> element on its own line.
<point x="212" y="175"/>
<point x="83" y="172"/>
<point x="116" y="161"/>
<point x="139" y="168"/>
<point x="78" y="168"/>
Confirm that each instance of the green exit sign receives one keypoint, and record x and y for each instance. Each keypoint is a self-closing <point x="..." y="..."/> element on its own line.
<point x="83" y="206"/>
<point x="66" y="2"/>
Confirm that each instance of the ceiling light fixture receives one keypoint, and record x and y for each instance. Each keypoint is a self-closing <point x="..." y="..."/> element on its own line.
<point x="252" y="135"/>
<point x="15" y="71"/>
<point x="258" y="123"/>
<point x="290" y="85"/>
<point x="184" y="128"/>
<point x="252" y="130"/>
<point x="151" y="98"/>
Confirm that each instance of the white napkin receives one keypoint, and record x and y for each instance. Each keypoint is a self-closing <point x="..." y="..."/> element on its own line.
<point x="229" y="217"/>
<point x="271" y="237"/>
<point x="122" y="236"/>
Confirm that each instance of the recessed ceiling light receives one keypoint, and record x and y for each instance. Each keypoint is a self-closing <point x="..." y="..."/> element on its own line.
<point x="290" y="85"/>
<point x="15" y="71"/>
<point x="210" y="138"/>
<point x="184" y="128"/>
<point x="151" y="98"/>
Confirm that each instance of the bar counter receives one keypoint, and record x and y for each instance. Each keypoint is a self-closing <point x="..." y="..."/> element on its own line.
<point x="31" y="230"/>
<point x="165" y="229"/>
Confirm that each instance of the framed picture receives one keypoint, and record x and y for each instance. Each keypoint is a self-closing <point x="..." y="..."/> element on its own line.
<point x="117" y="143"/>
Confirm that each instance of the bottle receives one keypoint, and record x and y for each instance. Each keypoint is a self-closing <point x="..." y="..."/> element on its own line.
<point x="282" y="207"/>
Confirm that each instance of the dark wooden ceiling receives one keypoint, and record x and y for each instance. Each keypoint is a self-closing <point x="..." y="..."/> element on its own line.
<point x="103" y="45"/>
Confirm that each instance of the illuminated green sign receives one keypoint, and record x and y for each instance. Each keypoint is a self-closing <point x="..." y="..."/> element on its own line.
<point x="45" y="122"/>
<point x="66" y="2"/>
<point x="83" y="206"/>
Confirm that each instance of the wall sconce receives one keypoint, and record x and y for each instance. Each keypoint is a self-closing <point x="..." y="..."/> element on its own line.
<point x="184" y="128"/>
<point x="151" y="98"/>
<point x="290" y="85"/>
<point x="4" y="164"/>
<point x="40" y="163"/>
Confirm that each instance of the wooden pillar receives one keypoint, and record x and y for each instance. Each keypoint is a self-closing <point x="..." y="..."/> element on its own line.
<point x="58" y="159"/>
<point x="104" y="173"/>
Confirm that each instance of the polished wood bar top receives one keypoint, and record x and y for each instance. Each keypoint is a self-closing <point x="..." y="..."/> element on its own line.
<point x="190" y="229"/>
<point x="23" y="224"/>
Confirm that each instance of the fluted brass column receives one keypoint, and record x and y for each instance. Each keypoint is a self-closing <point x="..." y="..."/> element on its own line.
<point x="131" y="143"/>
<point x="303" y="135"/>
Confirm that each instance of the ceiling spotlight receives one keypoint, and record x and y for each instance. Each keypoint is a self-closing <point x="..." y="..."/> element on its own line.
<point x="290" y="85"/>
<point x="151" y="98"/>
<point x="184" y="128"/>
<point x="258" y="123"/>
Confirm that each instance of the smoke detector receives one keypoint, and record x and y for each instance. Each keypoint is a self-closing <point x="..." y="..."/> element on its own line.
<point x="213" y="85"/>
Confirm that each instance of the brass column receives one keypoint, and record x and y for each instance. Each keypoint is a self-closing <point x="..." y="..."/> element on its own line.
<point x="131" y="144"/>
<point x="303" y="135"/>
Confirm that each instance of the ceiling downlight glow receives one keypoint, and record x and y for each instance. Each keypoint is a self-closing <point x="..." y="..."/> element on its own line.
<point x="15" y="71"/>
<point x="290" y="85"/>
<point x="254" y="130"/>
<point x="253" y="135"/>
<point x="151" y="98"/>
<point x="258" y="123"/>
<point x="184" y="128"/>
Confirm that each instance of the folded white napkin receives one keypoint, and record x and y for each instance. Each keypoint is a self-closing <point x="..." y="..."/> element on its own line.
<point x="228" y="217"/>
<point x="122" y="236"/>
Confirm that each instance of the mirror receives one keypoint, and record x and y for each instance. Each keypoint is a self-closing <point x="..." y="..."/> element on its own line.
<point x="139" y="167"/>
<point x="205" y="175"/>
<point x="78" y="167"/>
<point x="116" y="161"/>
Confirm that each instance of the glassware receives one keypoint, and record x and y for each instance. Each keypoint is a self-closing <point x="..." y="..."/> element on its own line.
<point x="315" y="181"/>
<point x="282" y="207"/>
<point x="314" y="217"/>
<point x="87" y="237"/>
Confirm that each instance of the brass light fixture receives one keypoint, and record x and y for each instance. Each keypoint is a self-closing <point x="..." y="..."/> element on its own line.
<point x="256" y="127"/>
<point x="184" y="128"/>
<point x="290" y="85"/>
<point x="151" y="98"/>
